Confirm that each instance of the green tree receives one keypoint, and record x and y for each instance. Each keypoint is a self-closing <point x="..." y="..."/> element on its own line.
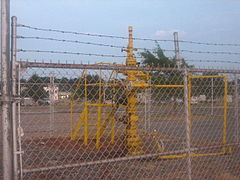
<point x="92" y="87"/>
<point x="157" y="58"/>
<point x="34" y="87"/>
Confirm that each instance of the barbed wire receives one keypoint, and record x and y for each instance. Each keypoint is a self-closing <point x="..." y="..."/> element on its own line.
<point x="84" y="42"/>
<point x="73" y="53"/>
<point x="211" y="52"/>
<point x="123" y="37"/>
<point x="212" y="61"/>
<point x="71" y="41"/>
<point x="165" y="50"/>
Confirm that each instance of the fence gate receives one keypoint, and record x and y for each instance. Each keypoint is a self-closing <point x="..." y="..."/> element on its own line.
<point x="208" y="113"/>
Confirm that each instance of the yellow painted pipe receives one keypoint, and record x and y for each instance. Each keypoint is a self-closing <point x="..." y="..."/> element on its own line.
<point x="225" y="112"/>
<point x="203" y="77"/>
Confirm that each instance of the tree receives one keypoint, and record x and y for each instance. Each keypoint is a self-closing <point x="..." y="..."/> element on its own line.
<point x="93" y="88"/>
<point x="34" y="87"/>
<point x="157" y="58"/>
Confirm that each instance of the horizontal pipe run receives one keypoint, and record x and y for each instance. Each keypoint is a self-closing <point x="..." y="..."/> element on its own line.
<point x="203" y="77"/>
<point x="102" y="161"/>
<point x="155" y="155"/>
<point x="173" y="86"/>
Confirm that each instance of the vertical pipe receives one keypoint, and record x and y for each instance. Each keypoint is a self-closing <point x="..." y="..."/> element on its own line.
<point x="52" y="93"/>
<point x="85" y="111"/>
<point x="150" y="104"/>
<point x="114" y="106"/>
<point x="71" y="118"/>
<point x="236" y="97"/>
<point x="189" y="100"/>
<point x="225" y="113"/>
<point x="99" y="110"/>
<point x="212" y="97"/>
<point x="14" y="92"/>
<point x="188" y="122"/>
<point x="7" y="153"/>
<point x="145" y="110"/>
<point x="20" y="131"/>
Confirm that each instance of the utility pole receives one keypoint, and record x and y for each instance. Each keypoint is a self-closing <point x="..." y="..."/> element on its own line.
<point x="176" y="45"/>
<point x="6" y="101"/>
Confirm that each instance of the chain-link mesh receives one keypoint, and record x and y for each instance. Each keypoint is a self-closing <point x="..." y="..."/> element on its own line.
<point x="98" y="124"/>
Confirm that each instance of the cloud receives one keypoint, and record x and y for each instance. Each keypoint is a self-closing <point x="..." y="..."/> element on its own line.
<point x="166" y="33"/>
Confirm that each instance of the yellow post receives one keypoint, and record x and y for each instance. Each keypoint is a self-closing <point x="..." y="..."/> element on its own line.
<point x="71" y="119"/>
<point x="86" y="112"/>
<point x="114" y="106"/>
<point x="225" y="113"/>
<point x="99" y="111"/>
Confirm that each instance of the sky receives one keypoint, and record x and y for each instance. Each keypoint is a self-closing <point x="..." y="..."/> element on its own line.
<point x="214" y="21"/>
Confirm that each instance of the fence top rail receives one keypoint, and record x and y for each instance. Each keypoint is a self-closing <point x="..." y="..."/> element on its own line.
<point x="26" y="64"/>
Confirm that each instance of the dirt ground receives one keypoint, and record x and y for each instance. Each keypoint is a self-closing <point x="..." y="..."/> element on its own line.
<point x="46" y="144"/>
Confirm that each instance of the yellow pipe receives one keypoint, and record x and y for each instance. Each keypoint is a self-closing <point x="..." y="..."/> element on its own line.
<point x="191" y="154"/>
<point x="202" y="77"/>
<point x="225" y="112"/>
<point x="99" y="112"/>
<point x="105" y="105"/>
<point x="169" y="86"/>
<point x="173" y="156"/>
<point x="207" y="154"/>
<point x="86" y="112"/>
<point x="113" y="118"/>
<point x="71" y="119"/>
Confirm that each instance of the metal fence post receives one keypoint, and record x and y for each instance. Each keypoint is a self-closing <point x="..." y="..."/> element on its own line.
<point x="236" y="97"/>
<point x="14" y="92"/>
<point x="7" y="159"/>
<point x="188" y="124"/>
<point x="52" y="98"/>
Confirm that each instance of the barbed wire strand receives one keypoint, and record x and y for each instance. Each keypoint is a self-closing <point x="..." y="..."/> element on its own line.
<point x="165" y="50"/>
<point x="71" y="41"/>
<point x="123" y="37"/>
<point x="212" y="61"/>
<point x="73" y="53"/>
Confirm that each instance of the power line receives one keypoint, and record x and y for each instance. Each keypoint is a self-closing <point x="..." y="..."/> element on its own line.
<point x="123" y="37"/>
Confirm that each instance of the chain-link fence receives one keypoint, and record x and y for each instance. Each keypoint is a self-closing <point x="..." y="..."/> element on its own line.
<point x="94" y="122"/>
<point x="125" y="121"/>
